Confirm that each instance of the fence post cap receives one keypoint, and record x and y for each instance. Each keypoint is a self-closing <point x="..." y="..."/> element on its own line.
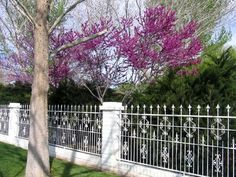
<point x="14" y="105"/>
<point x="112" y="106"/>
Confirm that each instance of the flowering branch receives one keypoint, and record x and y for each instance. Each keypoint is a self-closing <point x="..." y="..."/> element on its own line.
<point x="77" y="42"/>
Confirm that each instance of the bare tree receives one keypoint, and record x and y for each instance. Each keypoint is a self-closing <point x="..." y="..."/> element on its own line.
<point x="114" y="9"/>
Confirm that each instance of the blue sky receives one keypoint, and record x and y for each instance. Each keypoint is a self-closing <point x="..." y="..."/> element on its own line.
<point x="229" y="24"/>
<point x="233" y="40"/>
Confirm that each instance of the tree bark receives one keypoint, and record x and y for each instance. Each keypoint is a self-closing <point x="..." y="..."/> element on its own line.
<point x="38" y="152"/>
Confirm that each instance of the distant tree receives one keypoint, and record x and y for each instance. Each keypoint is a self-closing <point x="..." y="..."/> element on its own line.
<point x="68" y="92"/>
<point x="207" y="13"/>
<point x="17" y="93"/>
<point x="213" y="84"/>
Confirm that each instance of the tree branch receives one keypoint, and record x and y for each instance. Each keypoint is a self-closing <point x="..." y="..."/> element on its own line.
<point x="77" y="42"/>
<point x="23" y="10"/>
<point x="58" y="20"/>
<point x="90" y="91"/>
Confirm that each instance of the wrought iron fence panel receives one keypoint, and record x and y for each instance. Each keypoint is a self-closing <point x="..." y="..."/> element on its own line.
<point x="76" y="127"/>
<point x="177" y="139"/>
<point x="4" y="119"/>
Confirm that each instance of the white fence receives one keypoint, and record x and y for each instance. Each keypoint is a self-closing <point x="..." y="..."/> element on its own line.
<point x="134" y="141"/>
<point x="200" y="144"/>
<point x="72" y="127"/>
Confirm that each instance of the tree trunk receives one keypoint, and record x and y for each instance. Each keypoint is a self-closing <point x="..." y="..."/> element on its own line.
<point x="38" y="152"/>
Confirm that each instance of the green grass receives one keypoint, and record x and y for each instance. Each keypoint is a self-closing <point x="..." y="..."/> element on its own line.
<point x="13" y="161"/>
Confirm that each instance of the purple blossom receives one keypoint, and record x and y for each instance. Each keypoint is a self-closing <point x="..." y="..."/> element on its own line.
<point x="151" y="45"/>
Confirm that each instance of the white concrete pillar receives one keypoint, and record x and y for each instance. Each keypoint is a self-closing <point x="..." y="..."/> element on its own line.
<point x="111" y="130"/>
<point x="14" y="116"/>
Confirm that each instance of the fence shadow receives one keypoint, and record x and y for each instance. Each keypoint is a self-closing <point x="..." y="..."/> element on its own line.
<point x="68" y="169"/>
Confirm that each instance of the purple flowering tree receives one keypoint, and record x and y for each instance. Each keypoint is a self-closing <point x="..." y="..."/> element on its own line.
<point x="135" y="51"/>
<point x="156" y="44"/>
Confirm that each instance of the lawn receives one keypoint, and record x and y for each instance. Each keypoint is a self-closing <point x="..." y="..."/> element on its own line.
<point x="13" y="160"/>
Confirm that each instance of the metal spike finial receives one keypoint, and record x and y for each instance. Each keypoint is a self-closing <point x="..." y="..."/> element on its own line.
<point x="198" y="107"/>
<point x="158" y="109"/>
<point x="144" y="108"/>
<point x="218" y="109"/>
<point x="208" y="109"/>
<point x="189" y="109"/>
<point x="181" y="109"/>
<point x="138" y="107"/>
<point x="228" y="107"/>
<point x="164" y="107"/>
<point x="132" y="107"/>
<point x="173" y="107"/>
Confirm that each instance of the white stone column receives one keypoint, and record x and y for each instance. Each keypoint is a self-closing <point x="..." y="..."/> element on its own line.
<point x="111" y="130"/>
<point x="14" y="116"/>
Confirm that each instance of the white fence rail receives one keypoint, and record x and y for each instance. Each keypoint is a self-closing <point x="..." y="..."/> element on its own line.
<point x="134" y="141"/>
